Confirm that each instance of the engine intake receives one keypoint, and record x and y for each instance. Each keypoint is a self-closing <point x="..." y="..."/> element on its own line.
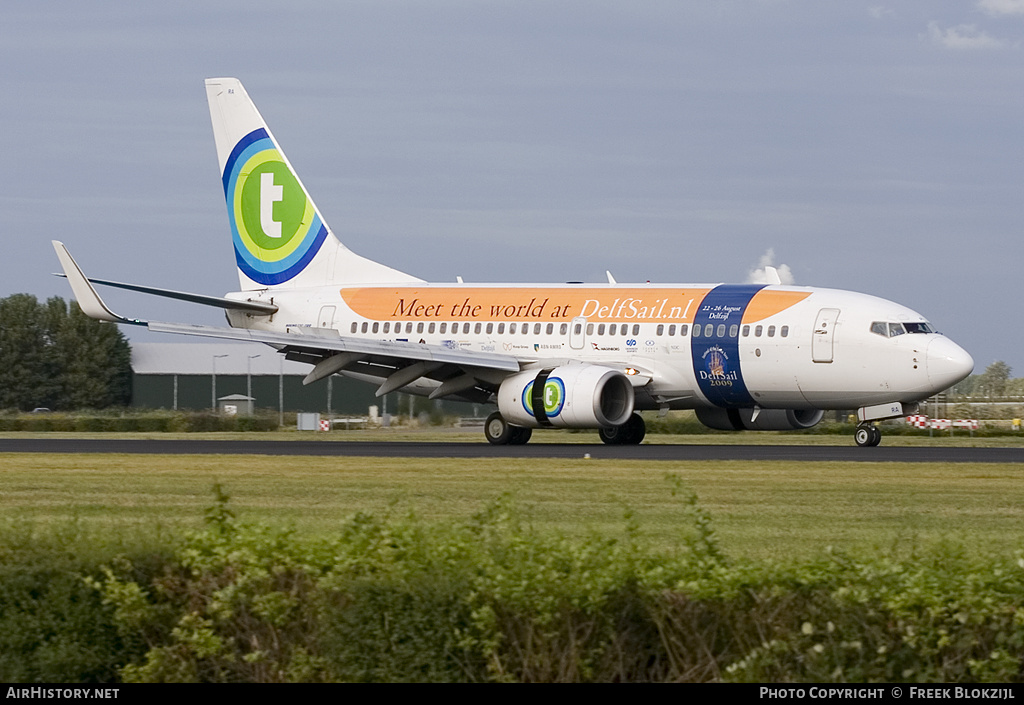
<point x="767" y="420"/>
<point x="571" y="396"/>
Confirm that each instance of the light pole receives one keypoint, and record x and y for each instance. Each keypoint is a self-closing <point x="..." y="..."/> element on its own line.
<point x="248" y="381"/>
<point x="213" y="384"/>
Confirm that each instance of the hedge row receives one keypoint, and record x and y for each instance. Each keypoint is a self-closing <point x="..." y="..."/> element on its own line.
<point x="492" y="599"/>
<point x="147" y="421"/>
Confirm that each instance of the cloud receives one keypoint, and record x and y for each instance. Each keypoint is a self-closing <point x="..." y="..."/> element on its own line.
<point x="878" y="12"/>
<point x="759" y="274"/>
<point x="963" y="36"/>
<point x="1002" y="7"/>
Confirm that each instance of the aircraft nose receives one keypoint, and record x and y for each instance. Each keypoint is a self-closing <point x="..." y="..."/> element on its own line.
<point x="948" y="363"/>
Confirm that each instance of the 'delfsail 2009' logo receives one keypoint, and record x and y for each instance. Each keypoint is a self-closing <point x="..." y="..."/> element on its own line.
<point x="717" y="368"/>
<point x="274" y="225"/>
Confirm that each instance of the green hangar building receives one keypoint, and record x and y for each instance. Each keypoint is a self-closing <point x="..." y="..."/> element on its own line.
<point x="196" y="376"/>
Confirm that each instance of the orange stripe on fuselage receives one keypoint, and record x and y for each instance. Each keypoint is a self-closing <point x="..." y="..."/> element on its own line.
<point x="768" y="302"/>
<point x="523" y="304"/>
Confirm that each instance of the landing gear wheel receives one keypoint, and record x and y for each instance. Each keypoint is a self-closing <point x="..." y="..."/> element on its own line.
<point x="867" y="436"/>
<point x="520" y="435"/>
<point x="497" y="430"/>
<point x="630" y="433"/>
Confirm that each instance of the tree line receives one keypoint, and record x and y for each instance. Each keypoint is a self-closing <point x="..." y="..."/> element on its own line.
<point x="995" y="381"/>
<point x="52" y="355"/>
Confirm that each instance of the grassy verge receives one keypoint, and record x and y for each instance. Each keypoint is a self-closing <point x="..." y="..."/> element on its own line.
<point x="764" y="510"/>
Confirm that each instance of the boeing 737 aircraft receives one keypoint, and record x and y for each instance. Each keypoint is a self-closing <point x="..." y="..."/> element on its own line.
<point x="744" y="356"/>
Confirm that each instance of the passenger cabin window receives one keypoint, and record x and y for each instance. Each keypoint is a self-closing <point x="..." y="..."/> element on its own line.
<point x="734" y="330"/>
<point x="511" y="328"/>
<point x="720" y="331"/>
<point x="536" y="328"/>
<point x="387" y="327"/>
<point x="613" y="329"/>
<point x="746" y="331"/>
<point x="501" y="329"/>
<point x="696" y="331"/>
<point x="600" y="329"/>
<point x="430" y="328"/>
<point x="563" y="329"/>
<point x="490" y="328"/>
<point x="784" y="331"/>
<point x="478" y="328"/>
<point x="709" y="330"/>
<point x="771" y="331"/>
<point x="376" y="326"/>
<point x="660" y="330"/>
<point x="636" y="329"/>
<point x="365" y="326"/>
<point x="671" y="330"/>
<point x="443" y="330"/>
<point x="683" y="330"/>
<point x="757" y="331"/>
<point x="355" y="326"/>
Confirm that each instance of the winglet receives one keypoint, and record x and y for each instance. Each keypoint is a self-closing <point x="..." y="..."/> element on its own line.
<point x="88" y="300"/>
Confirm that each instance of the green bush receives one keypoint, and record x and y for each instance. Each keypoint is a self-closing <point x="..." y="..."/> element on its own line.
<point x="493" y="599"/>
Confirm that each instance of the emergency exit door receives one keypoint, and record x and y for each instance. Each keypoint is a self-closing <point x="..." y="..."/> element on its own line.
<point x="326" y="318"/>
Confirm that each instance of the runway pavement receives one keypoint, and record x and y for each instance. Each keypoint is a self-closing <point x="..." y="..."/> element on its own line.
<point x="396" y="449"/>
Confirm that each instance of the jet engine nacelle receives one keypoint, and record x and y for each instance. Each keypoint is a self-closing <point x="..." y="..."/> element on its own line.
<point x="767" y="419"/>
<point x="572" y="396"/>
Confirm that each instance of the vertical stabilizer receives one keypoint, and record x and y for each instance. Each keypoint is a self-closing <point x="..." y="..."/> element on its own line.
<point x="279" y="237"/>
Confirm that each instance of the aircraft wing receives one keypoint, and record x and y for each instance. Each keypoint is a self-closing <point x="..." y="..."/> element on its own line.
<point x="435" y="370"/>
<point x="254" y="307"/>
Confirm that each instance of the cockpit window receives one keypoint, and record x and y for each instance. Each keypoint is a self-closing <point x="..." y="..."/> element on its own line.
<point x="891" y="330"/>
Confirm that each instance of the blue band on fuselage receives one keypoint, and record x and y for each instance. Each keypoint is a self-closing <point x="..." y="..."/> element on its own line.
<point x="716" y="350"/>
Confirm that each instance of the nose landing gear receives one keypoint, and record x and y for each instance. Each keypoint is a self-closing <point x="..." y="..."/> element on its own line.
<point x="867" y="435"/>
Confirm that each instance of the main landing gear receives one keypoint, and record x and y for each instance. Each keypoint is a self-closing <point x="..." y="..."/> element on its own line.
<point x="630" y="433"/>
<point x="500" y="433"/>
<point x="867" y="435"/>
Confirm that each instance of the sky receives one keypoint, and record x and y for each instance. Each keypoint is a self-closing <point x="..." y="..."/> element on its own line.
<point x="875" y="146"/>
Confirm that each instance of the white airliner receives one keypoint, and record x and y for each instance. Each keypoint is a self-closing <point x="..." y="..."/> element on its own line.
<point x="760" y="357"/>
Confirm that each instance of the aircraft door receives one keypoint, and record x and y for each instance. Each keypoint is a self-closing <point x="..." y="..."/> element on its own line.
<point x="577" y="333"/>
<point x="824" y="335"/>
<point x="326" y="318"/>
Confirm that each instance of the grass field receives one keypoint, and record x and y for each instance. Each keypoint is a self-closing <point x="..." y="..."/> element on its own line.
<point x="770" y="509"/>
